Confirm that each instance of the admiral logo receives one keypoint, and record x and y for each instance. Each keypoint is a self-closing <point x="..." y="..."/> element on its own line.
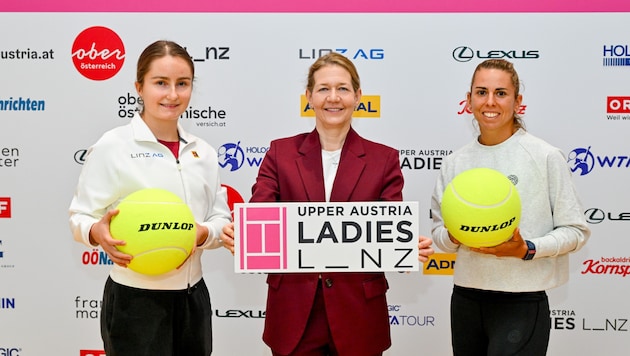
<point x="466" y="54"/>
<point x="98" y="53"/>
<point x="616" y="56"/>
<point x="22" y="104"/>
<point x="440" y="264"/>
<point x="5" y="207"/>
<point x="369" y="107"/>
<point x="361" y="53"/>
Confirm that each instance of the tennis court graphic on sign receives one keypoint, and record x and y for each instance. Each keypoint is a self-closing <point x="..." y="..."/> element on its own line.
<point x="326" y="237"/>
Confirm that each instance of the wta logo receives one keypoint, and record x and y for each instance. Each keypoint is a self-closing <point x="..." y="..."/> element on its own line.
<point x="98" y="53"/>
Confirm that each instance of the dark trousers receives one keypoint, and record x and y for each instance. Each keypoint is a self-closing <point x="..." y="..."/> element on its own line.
<point x="140" y="322"/>
<point x="499" y="324"/>
<point x="317" y="339"/>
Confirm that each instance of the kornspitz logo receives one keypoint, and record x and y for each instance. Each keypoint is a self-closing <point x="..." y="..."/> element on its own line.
<point x="98" y="53"/>
<point x="263" y="238"/>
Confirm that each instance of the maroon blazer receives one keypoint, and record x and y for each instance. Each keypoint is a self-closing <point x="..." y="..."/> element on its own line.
<point x="355" y="302"/>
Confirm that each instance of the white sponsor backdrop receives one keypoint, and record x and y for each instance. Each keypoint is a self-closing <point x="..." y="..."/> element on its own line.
<point x="50" y="287"/>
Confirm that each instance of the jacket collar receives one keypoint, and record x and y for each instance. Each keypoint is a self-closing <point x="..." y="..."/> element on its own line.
<point x="351" y="166"/>
<point x="142" y="132"/>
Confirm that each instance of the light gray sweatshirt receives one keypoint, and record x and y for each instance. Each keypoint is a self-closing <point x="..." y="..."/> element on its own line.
<point x="552" y="216"/>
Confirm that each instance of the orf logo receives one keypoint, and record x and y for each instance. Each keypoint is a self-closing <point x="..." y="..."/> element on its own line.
<point x="5" y="207"/>
<point x="618" y="105"/>
<point x="98" y="53"/>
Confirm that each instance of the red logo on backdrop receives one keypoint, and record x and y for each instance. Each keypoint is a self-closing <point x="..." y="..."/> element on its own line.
<point x="92" y="353"/>
<point x="5" y="207"/>
<point x="98" y="53"/>
<point x="618" y="105"/>
<point x="233" y="198"/>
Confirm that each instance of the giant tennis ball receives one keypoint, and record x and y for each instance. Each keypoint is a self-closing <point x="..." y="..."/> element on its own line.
<point x="481" y="207"/>
<point x="159" y="230"/>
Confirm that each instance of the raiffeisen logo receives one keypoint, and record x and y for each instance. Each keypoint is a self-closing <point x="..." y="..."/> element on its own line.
<point x="369" y="107"/>
<point x="98" y="53"/>
<point x="582" y="161"/>
<point x="465" y="110"/>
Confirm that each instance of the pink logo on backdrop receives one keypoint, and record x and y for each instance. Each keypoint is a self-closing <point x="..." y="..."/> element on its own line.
<point x="263" y="243"/>
<point x="98" y="53"/>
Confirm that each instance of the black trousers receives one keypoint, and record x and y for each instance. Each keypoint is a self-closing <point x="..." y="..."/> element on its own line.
<point x="499" y="323"/>
<point x="140" y="322"/>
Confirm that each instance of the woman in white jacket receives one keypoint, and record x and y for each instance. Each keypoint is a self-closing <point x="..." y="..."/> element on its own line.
<point x="170" y="313"/>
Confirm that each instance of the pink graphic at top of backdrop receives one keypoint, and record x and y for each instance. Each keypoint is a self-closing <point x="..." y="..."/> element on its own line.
<point x="263" y="244"/>
<point x="347" y="6"/>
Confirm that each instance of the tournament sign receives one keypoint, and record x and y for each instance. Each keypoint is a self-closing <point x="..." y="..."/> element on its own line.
<point x="326" y="237"/>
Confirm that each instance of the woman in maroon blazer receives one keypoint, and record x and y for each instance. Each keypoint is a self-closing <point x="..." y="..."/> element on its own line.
<point x="338" y="313"/>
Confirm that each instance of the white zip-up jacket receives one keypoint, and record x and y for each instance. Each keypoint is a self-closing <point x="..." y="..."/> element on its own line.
<point x="129" y="158"/>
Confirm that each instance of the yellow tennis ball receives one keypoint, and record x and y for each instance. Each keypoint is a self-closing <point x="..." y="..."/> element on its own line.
<point x="159" y="230"/>
<point x="481" y="207"/>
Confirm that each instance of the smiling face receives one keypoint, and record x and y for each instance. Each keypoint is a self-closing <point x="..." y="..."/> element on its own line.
<point x="165" y="89"/>
<point x="332" y="97"/>
<point x="493" y="100"/>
